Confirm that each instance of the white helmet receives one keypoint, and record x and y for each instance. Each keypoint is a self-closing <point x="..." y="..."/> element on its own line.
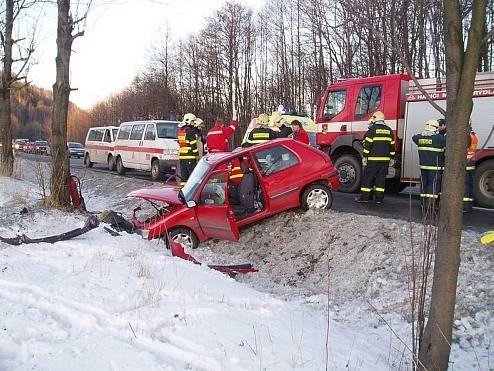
<point x="198" y="123"/>
<point x="189" y="119"/>
<point x="432" y="125"/>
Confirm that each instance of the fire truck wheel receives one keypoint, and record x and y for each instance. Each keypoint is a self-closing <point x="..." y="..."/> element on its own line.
<point x="120" y="167"/>
<point x="483" y="184"/>
<point x="317" y="196"/>
<point x="87" y="161"/>
<point x="111" y="163"/>
<point x="156" y="172"/>
<point x="350" y="169"/>
<point x="184" y="236"/>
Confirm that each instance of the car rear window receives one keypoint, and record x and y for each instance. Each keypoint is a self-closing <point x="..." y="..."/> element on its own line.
<point x="167" y="130"/>
<point x="75" y="145"/>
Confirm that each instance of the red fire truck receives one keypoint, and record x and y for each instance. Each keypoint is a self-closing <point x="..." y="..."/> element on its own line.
<point x="346" y="108"/>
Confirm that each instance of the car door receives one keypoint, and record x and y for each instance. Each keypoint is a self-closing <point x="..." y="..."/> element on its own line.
<point x="213" y="211"/>
<point x="281" y="177"/>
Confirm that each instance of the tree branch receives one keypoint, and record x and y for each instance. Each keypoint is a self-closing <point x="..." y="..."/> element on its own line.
<point x="78" y="34"/>
<point x="488" y="35"/>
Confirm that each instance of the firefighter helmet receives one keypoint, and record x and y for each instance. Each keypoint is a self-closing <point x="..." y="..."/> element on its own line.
<point x="275" y="118"/>
<point x="188" y="119"/>
<point x="432" y="125"/>
<point x="263" y="119"/>
<point x="198" y="123"/>
<point x="377" y="116"/>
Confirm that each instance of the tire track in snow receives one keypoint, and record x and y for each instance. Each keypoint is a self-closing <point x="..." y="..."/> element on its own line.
<point x="89" y="318"/>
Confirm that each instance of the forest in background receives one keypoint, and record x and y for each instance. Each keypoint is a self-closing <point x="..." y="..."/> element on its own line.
<point x="284" y="54"/>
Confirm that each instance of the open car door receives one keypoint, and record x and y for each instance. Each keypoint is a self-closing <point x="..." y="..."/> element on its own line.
<point x="213" y="211"/>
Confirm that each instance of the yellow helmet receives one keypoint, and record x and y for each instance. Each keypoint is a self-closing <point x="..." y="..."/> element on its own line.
<point x="275" y="118"/>
<point x="189" y="119"/>
<point x="432" y="125"/>
<point x="263" y="119"/>
<point x="377" y="116"/>
<point x="198" y="123"/>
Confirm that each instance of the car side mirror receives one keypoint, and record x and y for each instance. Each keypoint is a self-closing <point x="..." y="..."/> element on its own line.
<point x="191" y="204"/>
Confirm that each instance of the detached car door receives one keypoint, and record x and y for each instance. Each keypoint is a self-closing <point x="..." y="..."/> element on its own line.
<point x="213" y="210"/>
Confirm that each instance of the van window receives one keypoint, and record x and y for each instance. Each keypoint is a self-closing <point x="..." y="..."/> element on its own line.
<point x="114" y="132"/>
<point x="167" y="130"/>
<point x="369" y="99"/>
<point x="150" y="132"/>
<point x="137" y="131"/>
<point x="92" y="135"/>
<point x="334" y="104"/>
<point x="124" y="132"/>
<point x="107" y="136"/>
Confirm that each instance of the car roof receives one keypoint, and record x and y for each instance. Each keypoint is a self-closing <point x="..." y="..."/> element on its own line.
<point x="215" y="158"/>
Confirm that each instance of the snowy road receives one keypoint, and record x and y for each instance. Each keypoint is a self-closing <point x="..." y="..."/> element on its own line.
<point x="395" y="206"/>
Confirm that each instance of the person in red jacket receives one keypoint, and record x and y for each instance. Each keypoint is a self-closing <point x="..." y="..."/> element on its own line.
<point x="217" y="138"/>
<point x="299" y="133"/>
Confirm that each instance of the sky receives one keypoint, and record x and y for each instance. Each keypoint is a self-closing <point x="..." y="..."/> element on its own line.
<point x="118" y="42"/>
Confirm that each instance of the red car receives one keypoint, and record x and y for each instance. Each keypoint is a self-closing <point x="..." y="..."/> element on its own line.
<point x="230" y="190"/>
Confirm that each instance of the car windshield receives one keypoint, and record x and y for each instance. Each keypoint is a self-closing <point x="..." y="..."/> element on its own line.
<point x="195" y="180"/>
<point x="75" y="145"/>
<point x="167" y="130"/>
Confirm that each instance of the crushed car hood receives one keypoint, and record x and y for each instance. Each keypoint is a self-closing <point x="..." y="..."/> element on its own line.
<point x="165" y="194"/>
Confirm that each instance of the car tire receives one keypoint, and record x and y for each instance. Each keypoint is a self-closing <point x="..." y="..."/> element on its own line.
<point x="87" y="161"/>
<point x="317" y="196"/>
<point x="483" y="184"/>
<point x="350" y="172"/>
<point x="111" y="163"/>
<point x="185" y="236"/>
<point x="121" y="170"/>
<point x="156" y="171"/>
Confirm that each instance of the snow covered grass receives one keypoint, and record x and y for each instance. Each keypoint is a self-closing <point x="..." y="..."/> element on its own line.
<point x="122" y="303"/>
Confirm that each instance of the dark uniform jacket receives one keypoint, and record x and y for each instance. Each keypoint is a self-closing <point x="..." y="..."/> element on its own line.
<point x="379" y="144"/>
<point x="431" y="150"/>
<point x="187" y="140"/>
<point x="261" y="134"/>
<point x="285" y="132"/>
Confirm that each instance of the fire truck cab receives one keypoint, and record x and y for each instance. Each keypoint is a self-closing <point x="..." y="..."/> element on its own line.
<point x="345" y="110"/>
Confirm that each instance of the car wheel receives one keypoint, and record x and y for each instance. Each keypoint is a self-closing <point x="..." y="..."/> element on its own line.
<point x="120" y="167"/>
<point x="317" y="196"/>
<point x="350" y="172"/>
<point x="185" y="237"/>
<point x="111" y="163"/>
<point x="87" y="161"/>
<point x="156" y="172"/>
<point x="483" y="184"/>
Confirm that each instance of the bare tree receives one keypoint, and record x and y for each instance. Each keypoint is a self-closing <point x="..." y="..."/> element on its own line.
<point x="11" y="79"/>
<point x="68" y="30"/>
<point x="461" y="67"/>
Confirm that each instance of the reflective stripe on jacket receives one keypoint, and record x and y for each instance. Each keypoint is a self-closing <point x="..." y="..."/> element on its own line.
<point x="187" y="141"/>
<point x="260" y="135"/>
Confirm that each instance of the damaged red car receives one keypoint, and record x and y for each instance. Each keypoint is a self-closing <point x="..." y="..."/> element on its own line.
<point x="229" y="190"/>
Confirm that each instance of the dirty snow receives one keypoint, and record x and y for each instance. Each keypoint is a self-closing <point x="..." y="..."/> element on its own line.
<point x="122" y="303"/>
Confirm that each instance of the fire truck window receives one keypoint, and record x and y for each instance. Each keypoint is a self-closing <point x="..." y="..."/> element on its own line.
<point x="368" y="101"/>
<point x="214" y="192"/>
<point x="275" y="159"/>
<point x="334" y="104"/>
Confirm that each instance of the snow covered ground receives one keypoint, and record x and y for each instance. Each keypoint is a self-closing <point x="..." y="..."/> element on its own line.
<point x="121" y="303"/>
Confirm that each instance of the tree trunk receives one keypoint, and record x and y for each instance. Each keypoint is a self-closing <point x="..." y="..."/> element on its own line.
<point x="460" y="71"/>
<point x="6" y="155"/>
<point x="61" y="89"/>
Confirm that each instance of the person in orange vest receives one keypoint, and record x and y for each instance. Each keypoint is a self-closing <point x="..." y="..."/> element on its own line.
<point x="217" y="137"/>
<point x="188" y="152"/>
<point x="468" y="194"/>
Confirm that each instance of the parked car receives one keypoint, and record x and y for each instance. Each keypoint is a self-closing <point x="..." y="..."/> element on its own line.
<point x="76" y="149"/>
<point x="41" y="147"/>
<point x="149" y="146"/>
<point x="19" y="144"/>
<point x="100" y="146"/>
<point x="277" y="176"/>
<point x="29" y="147"/>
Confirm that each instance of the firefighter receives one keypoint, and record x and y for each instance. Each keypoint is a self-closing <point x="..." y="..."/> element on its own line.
<point x="299" y="133"/>
<point x="199" y="128"/>
<point x="187" y="141"/>
<point x="431" y="146"/>
<point x="264" y="131"/>
<point x="379" y="150"/>
<point x="217" y="138"/>
<point x="285" y="130"/>
<point x="442" y="126"/>
<point x="468" y="195"/>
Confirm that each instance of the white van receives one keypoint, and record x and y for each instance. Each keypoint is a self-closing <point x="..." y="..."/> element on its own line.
<point x="99" y="146"/>
<point x="147" y="145"/>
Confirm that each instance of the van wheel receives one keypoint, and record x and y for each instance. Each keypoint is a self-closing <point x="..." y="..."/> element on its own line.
<point x="483" y="184"/>
<point x="184" y="236"/>
<point x="317" y="196"/>
<point x="87" y="161"/>
<point x="111" y="163"/>
<point x="120" y="168"/>
<point x="350" y="172"/>
<point x="156" y="172"/>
